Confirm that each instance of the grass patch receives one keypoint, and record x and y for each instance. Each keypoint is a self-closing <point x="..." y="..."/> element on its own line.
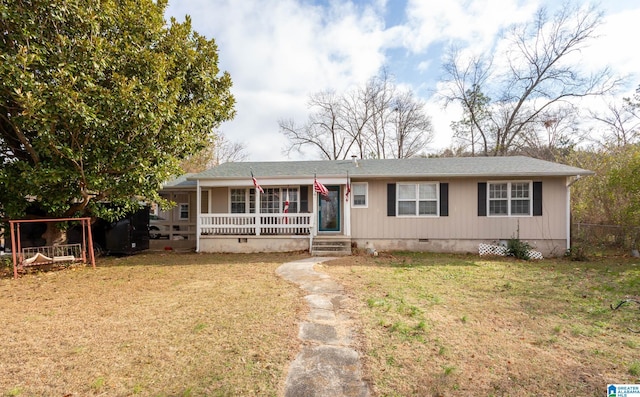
<point x="151" y="325"/>
<point x="97" y="384"/>
<point x="14" y="392"/>
<point x="634" y="369"/>
<point x="493" y="327"/>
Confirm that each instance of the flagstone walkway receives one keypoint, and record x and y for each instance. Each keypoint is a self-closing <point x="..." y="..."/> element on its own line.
<point x="327" y="366"/>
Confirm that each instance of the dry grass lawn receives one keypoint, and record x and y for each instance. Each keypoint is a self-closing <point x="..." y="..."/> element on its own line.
<point x="438" y="325"/>
<point x="226" y="325"/>
<point x="151" y="325"/>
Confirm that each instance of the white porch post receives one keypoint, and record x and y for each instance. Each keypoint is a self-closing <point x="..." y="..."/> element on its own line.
<point x="209" y="201"/>
<point x="258" y="226"/>
<point x="314" y="212"/>
<point x="198" y="214"/>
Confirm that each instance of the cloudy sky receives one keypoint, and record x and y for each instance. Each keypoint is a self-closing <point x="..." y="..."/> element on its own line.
<point x="278" y="52"/>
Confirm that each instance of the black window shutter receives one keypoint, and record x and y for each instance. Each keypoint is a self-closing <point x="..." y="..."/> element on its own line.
<point x="391" y="199"/>
<point x="444" y="199"/>
<point x="482" y="198"/>
<point x="304" y="199"/>
<point x="537" y="198"/>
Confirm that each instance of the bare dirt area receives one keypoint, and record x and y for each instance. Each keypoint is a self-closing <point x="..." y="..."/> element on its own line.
<point x="441" y="325"/>
<point x="151" y="325"/>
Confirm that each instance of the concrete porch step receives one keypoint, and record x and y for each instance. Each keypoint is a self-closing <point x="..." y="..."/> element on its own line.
<point x="331" y="246"/>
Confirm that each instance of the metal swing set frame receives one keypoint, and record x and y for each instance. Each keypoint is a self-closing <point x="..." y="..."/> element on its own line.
<point x="51" y="254"/>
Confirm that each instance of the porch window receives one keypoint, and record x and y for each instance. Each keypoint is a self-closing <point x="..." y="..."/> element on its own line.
<point x="238" y="201"/>
<point x="510" y="198"/>
<point x="359" y="192"/>
<point x="184" y="211"/>
<point x="270" y="201"/>
<point x="252" y="201"/>
<point x="417" y="199"/>
<point x="273" y="200"/>
<point x="243" y="201"/>
<point x="290" y="194"/>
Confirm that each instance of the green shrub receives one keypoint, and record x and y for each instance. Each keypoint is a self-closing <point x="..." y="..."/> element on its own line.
<point x="6" y="262"/>
<point x="517" y="248"/>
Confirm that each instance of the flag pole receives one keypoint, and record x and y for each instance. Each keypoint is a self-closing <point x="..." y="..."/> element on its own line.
<point x="347" y="188"/>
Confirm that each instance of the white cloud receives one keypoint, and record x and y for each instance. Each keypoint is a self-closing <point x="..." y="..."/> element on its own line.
<point x="280" y="51"/>
<point x="476" y="23"/>
<point x="614" y="46"/>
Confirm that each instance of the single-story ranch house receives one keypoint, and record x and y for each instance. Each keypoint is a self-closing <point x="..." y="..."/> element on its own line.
<point x="421" y="204"/>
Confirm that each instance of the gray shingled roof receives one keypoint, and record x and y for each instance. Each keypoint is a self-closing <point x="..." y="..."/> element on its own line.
<point x="181" y="182"/>
<point x="515" y="166"/>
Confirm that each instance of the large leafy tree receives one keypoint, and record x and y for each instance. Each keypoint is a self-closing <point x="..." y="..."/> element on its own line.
<point x="99" y="102"/>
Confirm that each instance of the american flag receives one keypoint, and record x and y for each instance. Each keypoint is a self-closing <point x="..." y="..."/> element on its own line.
<point x="286" y="202"/>
<point x="320" y="188"/>
<point x="256" y="184"/>
<point x="286" y="205"/>
<point x="348" y="189"/>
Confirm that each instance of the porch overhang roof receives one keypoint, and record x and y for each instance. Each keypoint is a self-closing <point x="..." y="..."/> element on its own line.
<point x="181" y="183"/>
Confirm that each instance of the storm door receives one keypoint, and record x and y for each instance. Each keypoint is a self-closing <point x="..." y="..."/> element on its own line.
<point x="329" y="210"/>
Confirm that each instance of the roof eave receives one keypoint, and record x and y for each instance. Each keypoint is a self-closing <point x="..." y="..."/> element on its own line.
<point x="387" y="176"/>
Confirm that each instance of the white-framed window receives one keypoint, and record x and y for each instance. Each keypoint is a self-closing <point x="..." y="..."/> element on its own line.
<point x="183" y="211"/>
<point x="513" y="198"/>
<point x="252" y="201"/>
<point x="292" y="196"/>
<point x="360" y="195"/>
<point x="417" y="199"/>
<point x="238" y="201"/>
<point x="272" y="201"/>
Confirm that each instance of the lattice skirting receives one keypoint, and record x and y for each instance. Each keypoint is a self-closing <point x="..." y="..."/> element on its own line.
<point x="500" y="250"/>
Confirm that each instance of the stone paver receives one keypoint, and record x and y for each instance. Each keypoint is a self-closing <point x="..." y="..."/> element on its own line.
<point x="327" y="366"/>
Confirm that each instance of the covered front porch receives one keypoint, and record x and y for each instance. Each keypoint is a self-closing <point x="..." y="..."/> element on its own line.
<point x="287" y="216"/>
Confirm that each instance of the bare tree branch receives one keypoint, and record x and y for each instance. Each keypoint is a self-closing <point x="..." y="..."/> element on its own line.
<point x="538" y="78"/>
<point x="375" y="120"/>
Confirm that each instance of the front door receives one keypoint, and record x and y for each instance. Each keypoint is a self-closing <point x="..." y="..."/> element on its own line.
<point x="329" y="210"/>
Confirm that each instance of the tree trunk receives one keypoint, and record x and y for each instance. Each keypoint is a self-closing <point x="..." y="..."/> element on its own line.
<point x="54" y="235"/>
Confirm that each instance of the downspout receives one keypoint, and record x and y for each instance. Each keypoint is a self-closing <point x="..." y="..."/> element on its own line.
<point x="568" y="218"/>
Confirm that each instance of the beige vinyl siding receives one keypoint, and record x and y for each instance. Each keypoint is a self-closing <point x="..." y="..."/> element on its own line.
<point x="178" y="198"/>
<point x="220" y="196"/>
<point x="204" y="201"/>
<point x="463" y="221"/>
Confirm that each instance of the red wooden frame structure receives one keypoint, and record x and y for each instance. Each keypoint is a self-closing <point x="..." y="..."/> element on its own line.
<point x="16" y="249"/>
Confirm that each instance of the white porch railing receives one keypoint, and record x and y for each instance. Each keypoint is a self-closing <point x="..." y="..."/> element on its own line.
<point x="255" y="224"/>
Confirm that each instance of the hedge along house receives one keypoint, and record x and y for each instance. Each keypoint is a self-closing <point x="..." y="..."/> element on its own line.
<point x="421" y="204"/>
